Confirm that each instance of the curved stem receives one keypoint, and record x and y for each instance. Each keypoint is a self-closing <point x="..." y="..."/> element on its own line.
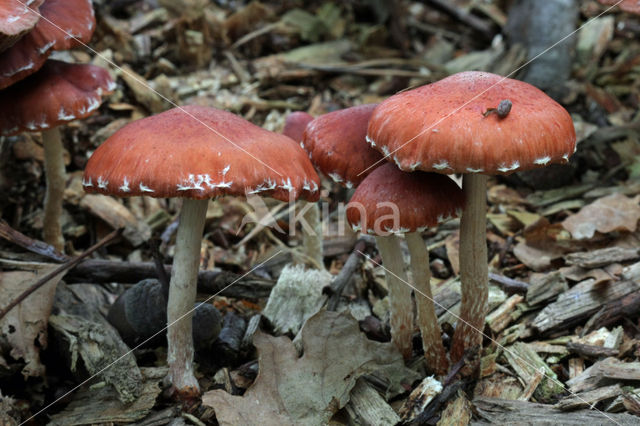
<point x="474" y="271"/>
<point x="434" y="351"/>
<point x="182" y="295"/>
<point x="55" y="177"/>
<point x="400" y="305"/>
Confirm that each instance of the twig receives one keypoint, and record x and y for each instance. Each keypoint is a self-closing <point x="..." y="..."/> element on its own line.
<point x="342" y="279"/>
<point x="62" y="268"/>
<point x="34" y="246"/>
<point x="464" y="16"/>
<point x="509" y="285"/>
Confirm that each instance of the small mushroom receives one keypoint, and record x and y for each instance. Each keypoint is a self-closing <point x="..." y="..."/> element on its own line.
<point x="390" y="201"/>
<point x="58" y="93"/>
<point x="16" y="19"/>
<point x="196" y="153"/>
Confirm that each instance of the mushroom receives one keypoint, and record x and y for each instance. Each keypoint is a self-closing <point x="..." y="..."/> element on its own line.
<point x="337" y="146"/>
<point x="58" y="93"/>
<point x="65" y="24"/>
<point x="388" y="202"/>
<point x="294" y="126"/>
<point x="196" y="153"/>
<point x="16" y="19"/>
<point x="441" y="128"/>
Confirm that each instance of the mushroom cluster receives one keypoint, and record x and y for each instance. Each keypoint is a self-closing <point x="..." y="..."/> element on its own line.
<point x="38" y="95"/>
<point x="477" y="124"/>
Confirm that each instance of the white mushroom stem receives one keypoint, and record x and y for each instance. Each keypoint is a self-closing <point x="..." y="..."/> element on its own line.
<point x="55" y="178"/>
<point x="400" y="304"/>
<point x="434" y="351"/>
<point x="474" y="271"/>
<point x="182" y="295"/>
<point x="312" y="235"/>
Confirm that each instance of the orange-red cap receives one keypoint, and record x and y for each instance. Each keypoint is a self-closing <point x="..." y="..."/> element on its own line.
<point x="200" y="152"/>
<point x="336" y="143"/>
<point x="631" y="6"/>
<point x="59" y="92"/>
<point x="16" y="19"/>
<point x="65" y="24"/>
<point x="392" y="201"/>
<point x="447" y="127"/>
<point x="295" y="123"/>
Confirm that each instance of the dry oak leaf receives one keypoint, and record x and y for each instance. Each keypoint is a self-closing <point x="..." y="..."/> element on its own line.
<point x="614" y="212"/>
<point x="25" y="326"/>
<point x="306" y="390"/>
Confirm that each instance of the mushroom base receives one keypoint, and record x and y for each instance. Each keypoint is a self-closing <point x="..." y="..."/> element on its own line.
<point x="182" y="295"/>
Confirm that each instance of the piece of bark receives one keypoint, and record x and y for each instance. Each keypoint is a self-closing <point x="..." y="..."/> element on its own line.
<point x="252" y="326"/>
<point x="589" y="399"/>
<point x="117" y="216"/>
<point x="209" y="282"/>
<point x="345" y="275"/>
<point x="526" y="363"/>
<point x="604" y="372"/>
<point x="581" y="301"/>
<point x="457" y="412"/>
<point x="367" y="407"/>
<point x="544" y="287"/>
<point x="100" y="405"/>
<point x="420" y="398"/>
<point x="504" y="412"/>
<point x="591" y="351"/>
<point x="88" y="336"/>
<point x="296" y="296"/>
<point x="611" y="312"/>
<point x="501" y="317"/>
<point x="602" y="257"/>
<point x="576" y="367"/>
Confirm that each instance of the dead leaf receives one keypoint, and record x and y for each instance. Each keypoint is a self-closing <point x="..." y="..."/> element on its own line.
<point x="614" y="212"/>
<point x="292" y="390"/>
<point x="25" y="326"/>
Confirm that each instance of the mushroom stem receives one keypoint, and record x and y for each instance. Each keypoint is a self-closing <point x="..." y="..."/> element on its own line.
<point x="400" y="305"/>
<point x="474" y="271"/>
<point x="312" y="238"/>
<point x="55" y="178"/>
<point x="182" y="295"/>
<point x="434" y="351"/>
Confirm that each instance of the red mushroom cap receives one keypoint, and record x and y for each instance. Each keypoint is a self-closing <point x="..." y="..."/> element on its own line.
<point x="295" y="124"/>
<point x="336" y="143"/>
<point x="417" y="200"/>
<point x="16" y="19"/>
<point x="200" y="152"/>
<point x="444" y="127"/>
<point x="65" y="24"/>
<point x="631" y="6"/>
<point x="59" y="92"/>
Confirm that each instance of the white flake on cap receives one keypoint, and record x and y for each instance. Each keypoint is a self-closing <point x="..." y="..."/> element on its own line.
<point x="87" y="183"/>
<point x="472" y="170"/>
<point x="444" y="164"/>
<point x="62" y="115"/>
<point x="145" y="188"/>
<point x="542" y="160"/>
<point x="102" y="184"/>
<point x="125" y="185"/>
<point x="46" y="47"/>
<point x="504" y="168"/>
<point x="336" y="177"/>
<point x="287" y="185"/>
<point x="565" y="157"/>
<point x="370" y="141"/>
